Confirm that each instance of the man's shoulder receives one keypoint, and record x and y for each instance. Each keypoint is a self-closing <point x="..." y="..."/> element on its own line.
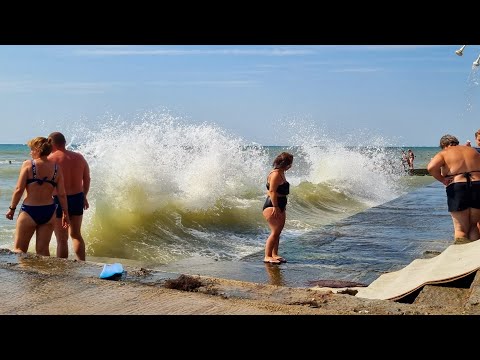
<point x="75" y="155"/>
<point x="66" y="156"/>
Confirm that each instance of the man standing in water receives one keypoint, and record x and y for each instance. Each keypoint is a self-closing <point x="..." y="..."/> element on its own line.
<point x="76" y="174"/>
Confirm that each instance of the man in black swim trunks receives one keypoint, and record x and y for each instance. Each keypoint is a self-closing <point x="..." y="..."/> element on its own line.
<point x="458" y="168"/>
<point x="76" y="173"/>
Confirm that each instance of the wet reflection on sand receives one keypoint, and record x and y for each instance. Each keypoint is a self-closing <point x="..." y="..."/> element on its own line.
<point x="274" y="273"/>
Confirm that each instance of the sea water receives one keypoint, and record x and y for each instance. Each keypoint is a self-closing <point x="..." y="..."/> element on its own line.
<point x="188" y="198"/>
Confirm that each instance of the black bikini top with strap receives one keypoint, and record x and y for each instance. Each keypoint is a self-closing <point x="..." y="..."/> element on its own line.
<point x="467" y="174"/>
<point x="41" y="181"/>
<point x="282" y="189"/>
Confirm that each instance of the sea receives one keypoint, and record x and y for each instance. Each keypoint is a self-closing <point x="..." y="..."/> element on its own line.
<point x="187" y="198"/>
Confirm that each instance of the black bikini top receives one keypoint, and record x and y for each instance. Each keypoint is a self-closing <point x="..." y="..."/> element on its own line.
<point x="467" y="174"/>
<point x="41" y="181"/>
<point x="282" y="189"/>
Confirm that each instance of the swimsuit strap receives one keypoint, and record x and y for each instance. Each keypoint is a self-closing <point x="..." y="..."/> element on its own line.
<point x="34" y="169"/>
<point x="54" y="172"/>
<point x="40" y="181"/>
<point x="467" y="174"/>
<point x="268" y="182"/>
<point x="282" y="176"/>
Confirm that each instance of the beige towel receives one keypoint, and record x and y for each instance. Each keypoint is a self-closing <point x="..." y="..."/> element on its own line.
<point x="453" y="263"/>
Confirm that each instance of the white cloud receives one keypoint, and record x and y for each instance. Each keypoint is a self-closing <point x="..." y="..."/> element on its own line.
<point x="357" y="70"/>
<point x="77" y="87"/>
<point x="139" y="51"/>
<point x="221" y="83"/>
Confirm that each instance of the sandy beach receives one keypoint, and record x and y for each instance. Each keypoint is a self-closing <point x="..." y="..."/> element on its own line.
<point x="32" y="284"/>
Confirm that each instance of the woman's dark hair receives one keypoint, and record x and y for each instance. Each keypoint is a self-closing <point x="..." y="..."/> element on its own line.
<point x="283" y="160"/>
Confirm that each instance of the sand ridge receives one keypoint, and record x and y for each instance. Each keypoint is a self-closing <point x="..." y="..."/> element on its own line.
<point x="32" y="284"/>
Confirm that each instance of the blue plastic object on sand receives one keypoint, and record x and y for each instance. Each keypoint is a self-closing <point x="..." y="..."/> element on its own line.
<point x="112" y="271"/>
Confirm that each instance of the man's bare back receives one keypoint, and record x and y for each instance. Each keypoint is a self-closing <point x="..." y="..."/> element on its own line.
<point x="455" y="160"/>
<point x="76" y="175"/>
<point x="75" y="169"/>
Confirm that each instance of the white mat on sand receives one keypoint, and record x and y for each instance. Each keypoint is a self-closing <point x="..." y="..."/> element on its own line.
<point x="453" y="263"/>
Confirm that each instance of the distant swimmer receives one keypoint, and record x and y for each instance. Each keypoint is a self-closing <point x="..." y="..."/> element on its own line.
<point x="477" y="140"/>
<point x="411" y="157"/>
<point x="404" y="160"/>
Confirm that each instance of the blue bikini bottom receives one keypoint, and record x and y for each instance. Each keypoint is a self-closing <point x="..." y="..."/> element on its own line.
<point x="41" y="214"/>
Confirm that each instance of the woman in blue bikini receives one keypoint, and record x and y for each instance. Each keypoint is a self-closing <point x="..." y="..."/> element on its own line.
<point x="39" y="177"/>
<point x="274" y="209"/>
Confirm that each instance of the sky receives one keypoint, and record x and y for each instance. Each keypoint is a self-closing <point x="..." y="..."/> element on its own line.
<point x="408" y="94"/>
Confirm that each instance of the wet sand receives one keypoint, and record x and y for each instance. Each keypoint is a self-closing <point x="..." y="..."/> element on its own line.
<point x="31" y="284"/>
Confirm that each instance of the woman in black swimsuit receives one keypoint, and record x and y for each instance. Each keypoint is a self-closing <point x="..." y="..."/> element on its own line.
<point x="275" y="205"/>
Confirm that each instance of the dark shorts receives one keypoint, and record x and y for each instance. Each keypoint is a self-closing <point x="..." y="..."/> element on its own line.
<point x="282" y="202"/>
<point x="75" y="205"/>
<point x="461" y="196"/>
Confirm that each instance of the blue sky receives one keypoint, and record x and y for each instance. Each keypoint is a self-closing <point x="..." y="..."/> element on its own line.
<point x="409" y="94"/>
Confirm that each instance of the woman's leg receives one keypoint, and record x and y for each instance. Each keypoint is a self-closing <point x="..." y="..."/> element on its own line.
<point x="461" y="224"/>
<point x="44" y="235"/>
<point x="277" y="240"/>
<point x="276" y="224"/>
<point x="24" y="232"/>
<point x="474" y="233"/>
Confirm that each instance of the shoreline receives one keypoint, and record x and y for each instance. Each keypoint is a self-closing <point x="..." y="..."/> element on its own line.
<point x="35" y="285"/>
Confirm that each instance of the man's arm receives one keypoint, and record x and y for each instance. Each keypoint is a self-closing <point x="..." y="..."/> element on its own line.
<point x="86" y="184"/>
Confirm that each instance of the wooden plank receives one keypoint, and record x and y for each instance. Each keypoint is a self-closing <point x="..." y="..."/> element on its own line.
<point x="418" y="172"/>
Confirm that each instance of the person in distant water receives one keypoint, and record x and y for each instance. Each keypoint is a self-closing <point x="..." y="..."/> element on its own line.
<point x="39" y="177"/>
<point x="458" y="168"/>
<point x="77" y="184"/>
<point x="477" y="141"/>
<point x="411" y="157"/>
<point x="405" y="160"/>
<point x="274" y="209"/>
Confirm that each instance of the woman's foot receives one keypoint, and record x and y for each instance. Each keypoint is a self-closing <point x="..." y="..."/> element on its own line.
<point x="271" y="260"/>
<point x="281" y="259"/>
